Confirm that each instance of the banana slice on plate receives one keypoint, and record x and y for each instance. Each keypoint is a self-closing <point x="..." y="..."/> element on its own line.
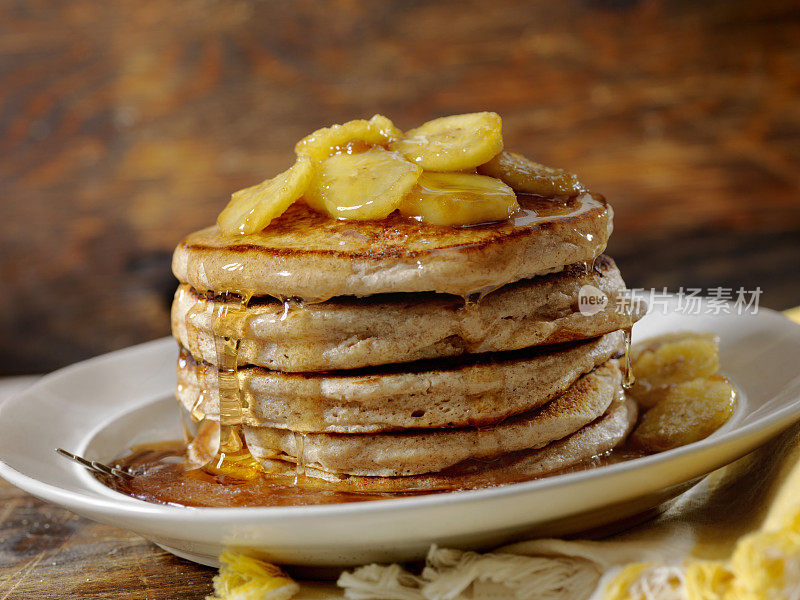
<point x="252" y="209"/>
<point x="659" y="364"/>
<point x="362" y="186"/>
<point x="689" y="412"/>
<point x="530" y="177"/>
<point x="358" y="135"/>
<point x="459" y="199"/>
<point x="455" y="143"/>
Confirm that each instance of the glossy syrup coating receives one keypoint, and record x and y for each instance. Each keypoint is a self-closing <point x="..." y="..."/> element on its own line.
<point x="305" y="254"/>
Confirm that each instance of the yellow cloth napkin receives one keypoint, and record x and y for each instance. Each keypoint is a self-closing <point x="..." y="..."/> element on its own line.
<point x="734" y="536"/>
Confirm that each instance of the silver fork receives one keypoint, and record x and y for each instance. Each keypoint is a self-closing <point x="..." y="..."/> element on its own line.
<point x="95" y="466"/>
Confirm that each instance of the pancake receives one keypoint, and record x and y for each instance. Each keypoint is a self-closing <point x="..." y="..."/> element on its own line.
<point x="305" y="254"/>
<point x="348" y="333"/>
<point x="418" y="452"/>
<point x="595" y="439"/>
<point x="471" y="390"/>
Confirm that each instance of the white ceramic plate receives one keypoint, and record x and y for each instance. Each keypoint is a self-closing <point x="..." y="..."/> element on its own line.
<point x="100" y="407"/>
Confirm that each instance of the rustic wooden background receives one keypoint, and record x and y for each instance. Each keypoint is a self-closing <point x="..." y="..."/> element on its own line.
<point x="126" y="124"/>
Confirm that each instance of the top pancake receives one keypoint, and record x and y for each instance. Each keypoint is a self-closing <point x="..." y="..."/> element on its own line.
<point x="305" y="254"/>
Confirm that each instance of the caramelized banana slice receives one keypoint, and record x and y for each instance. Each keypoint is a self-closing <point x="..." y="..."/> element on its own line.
<point x="459" y="199"/>
<point x="532" y="178"/>
<point x="671" y="359"/>
<point x="252" y="209"/>
<point x="689" y="412"/>
<point x="246" y="578"/>
<point x="358" y="136"/>
<point x="455" y="143"/>
<point x="362" y="186"/>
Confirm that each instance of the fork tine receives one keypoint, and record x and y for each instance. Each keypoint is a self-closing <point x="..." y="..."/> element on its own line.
<point x="74" y="457"/>
<point x="63" y="452"/>
<point x="78" y="459"/>
<point x="95" y="466"/>
<point x="122" y="473"/>
<point x="112" y="470"/>
<point x="101" y="467"/>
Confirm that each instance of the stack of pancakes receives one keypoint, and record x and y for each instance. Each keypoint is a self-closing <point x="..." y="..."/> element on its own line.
<point x="397" y="356"/>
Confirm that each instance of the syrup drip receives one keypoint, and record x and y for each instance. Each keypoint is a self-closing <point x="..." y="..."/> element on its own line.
<point x="307" y="414"/>
<point x="185" y="427"/>
<point x="470" y="309"/>
<point x="472" y="330"/>
<point x="196" y="413"/>
<point x="300" y="450"/>
<point x="292" y="307"/>
<point x="628" y="379"/>
<point x="287" y="308"/>
<point x="232" y="458"/>
<point x="469" y="325"/>
<point x="195" y="348"/>
<point x="477" y="296"/>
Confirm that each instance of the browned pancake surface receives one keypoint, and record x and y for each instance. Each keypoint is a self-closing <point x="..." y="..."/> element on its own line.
<point x="308" y="255"/>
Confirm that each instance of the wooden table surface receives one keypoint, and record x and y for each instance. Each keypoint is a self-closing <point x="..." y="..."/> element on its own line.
<point x="124" y="125"/>
<point x="46" y="552"/>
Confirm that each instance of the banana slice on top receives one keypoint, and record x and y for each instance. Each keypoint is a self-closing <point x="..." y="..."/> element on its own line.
<point x="362" y="186"/>
<point x="252" y="209"/>
<point x="358" y="135"/>
<point x="459" y="199"/>
<point x="530" y="177"/>
<point x="454" y="143"/>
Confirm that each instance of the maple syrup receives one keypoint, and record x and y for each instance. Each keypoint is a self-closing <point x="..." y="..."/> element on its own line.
<point x="232" y="458"/>
<point x="300" y="454"/>
<point x="627" y="375"/>
<point x="161" y="477"/>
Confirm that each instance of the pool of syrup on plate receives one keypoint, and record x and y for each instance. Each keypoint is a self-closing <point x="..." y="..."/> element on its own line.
<point x="162" y="476"/>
